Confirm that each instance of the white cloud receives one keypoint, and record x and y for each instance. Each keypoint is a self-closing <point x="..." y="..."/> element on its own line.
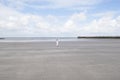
<point x="13" y="23"/>
<point x="75" y="4"/>
<point x="16" y="23"/>
<point x="74" y="22"/>
<point x="105" y="25"/>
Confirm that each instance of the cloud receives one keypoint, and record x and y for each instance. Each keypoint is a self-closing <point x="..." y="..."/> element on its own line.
<point x="104" y="25"/>
<point x="74" y="22"/>
<point x="14" y="23"/>
<point x="50" y="4"/>
<point x="78" y="24"/>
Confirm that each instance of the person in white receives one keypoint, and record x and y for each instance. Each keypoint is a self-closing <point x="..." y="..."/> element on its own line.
<point x="57" y="42"/>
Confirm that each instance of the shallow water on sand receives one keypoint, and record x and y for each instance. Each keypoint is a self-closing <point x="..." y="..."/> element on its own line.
<point x="41" y="39"/>
<point x="71" y="60"/>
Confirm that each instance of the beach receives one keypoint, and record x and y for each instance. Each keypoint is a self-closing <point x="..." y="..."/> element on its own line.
<point x="97" y="59"/>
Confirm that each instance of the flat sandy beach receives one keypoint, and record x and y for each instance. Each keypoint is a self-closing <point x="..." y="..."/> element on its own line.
<point x="72" y="60"/>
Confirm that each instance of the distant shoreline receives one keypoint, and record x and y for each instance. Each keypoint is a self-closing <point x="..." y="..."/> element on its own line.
<point x="79" y="37"/>
<point x="2" y="38"/>
<point x="99" y="37"/>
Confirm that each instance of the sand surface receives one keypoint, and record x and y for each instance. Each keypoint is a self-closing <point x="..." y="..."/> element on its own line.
<point x="72" y="60"/>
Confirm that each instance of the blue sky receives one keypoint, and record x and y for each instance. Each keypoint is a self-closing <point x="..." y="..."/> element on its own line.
<point x="49" y="18"/>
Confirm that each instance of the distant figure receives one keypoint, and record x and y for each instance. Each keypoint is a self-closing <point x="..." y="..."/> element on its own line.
<point x="57" y="42"/>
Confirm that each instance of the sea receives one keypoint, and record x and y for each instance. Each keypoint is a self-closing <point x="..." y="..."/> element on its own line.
<point x="49" y="39"/>
<point x="38" y="39"/>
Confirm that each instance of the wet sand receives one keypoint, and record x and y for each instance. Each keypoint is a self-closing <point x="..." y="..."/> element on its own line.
<point x="72" y="60"/>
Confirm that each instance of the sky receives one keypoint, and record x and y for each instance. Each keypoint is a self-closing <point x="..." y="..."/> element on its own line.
<point x="63" y="18"/>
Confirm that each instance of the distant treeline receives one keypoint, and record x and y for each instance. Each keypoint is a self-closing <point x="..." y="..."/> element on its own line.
<point x="2" y="38"/>
<point x="99" y="37"/>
